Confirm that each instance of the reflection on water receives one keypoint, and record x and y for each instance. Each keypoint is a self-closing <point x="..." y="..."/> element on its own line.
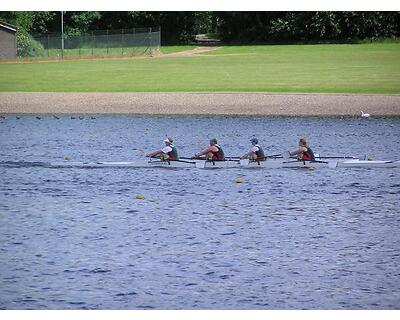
<point x="284" y="239"/>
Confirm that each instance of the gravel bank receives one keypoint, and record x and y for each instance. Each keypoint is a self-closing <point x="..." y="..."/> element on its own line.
<point x="200" y="103"/>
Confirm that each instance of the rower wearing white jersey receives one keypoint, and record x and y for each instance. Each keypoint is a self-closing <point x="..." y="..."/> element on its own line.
<point x="169" y="152"/>
<point x="256" y="153"/>
<point x="304" y="152"/>
<point x="213" y="153"/>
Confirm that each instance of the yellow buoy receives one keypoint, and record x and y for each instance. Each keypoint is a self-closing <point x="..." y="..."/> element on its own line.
<point x="139" y="196"/>
<point x="370" y="159"/>
<point x="238" y="180"/>
<point x="311" y="168"/>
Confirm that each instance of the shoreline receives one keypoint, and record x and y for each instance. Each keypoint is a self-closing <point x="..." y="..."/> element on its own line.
<point x="198" y="103"/>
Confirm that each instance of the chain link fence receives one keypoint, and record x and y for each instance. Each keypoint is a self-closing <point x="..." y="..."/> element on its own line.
<point x="97" y="44"/>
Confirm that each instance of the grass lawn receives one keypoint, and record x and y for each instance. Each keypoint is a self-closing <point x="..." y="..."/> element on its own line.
<point x="336" y="68"/>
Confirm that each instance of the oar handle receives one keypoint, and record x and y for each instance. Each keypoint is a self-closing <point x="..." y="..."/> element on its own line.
<point x="279" y="155"/>
<point x="191" y="162"/>
<point x="187" y="158"/>
<point x="336" y="157"/>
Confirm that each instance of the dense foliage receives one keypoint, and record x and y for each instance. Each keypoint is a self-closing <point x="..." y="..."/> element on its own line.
<point x="27" y="46"/>
<point x="307" y="26"/>
<point x="237" y="27"/>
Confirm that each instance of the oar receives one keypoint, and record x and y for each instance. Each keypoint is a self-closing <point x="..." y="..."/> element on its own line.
<point x="206" y="160"/>
<point x="187" y="158"/>
<point x="158" y="158"/>
<point x="198" y="158"/>
<point x="192" y="162"/>
<point x="278" y="155"/>
<point x="331" y="164"/>
<point x="200" y="164"/>
<point x="336" y="157"/>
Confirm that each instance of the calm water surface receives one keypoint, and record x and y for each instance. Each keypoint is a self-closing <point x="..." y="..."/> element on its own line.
<point x="75" y="238"/>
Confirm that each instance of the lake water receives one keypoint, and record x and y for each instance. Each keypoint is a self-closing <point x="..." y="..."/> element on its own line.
<point x="75" y="238"/>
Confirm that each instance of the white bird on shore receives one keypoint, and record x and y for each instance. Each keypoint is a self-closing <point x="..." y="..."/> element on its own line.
<point x="365" y="115"/>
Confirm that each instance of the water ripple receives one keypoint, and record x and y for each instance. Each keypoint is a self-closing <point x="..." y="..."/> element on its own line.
<point x="283" y="239"/>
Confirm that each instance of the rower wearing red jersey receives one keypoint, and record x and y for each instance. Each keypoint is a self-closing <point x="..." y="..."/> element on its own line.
<point x="169" y="152"/>
<point x="213" y="153"/>
<point x="256" y="153"/>
<point x="304" y="152"/>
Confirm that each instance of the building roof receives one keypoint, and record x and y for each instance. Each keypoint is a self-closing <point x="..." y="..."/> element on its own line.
<point x="8" y="26"/>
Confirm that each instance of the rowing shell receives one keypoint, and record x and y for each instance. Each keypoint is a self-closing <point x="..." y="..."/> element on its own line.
<point x="368" y="164"/>
<point x="124" y="164"/>
<point x="202" y="164"/>
<point x="353" y="163"/>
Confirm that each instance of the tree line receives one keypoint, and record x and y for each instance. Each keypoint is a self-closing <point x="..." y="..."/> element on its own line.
<point x="230" y="27"/>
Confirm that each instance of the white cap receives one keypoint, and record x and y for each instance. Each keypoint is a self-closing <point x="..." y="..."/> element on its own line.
<point x="169" y="140"/>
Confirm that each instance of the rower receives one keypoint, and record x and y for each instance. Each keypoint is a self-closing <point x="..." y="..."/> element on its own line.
<point x="213" y="153"/>
<point x="304" y="152"/>
<point x="256" y="153"/>
<point x="168" y="153"/>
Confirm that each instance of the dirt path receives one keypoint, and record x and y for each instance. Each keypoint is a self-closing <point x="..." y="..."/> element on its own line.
<point x="187" y="53"/>
<point x="201" y="103"/>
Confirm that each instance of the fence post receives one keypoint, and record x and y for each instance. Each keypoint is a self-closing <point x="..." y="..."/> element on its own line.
<point x="133" y="41"/>
<point x="62" y="34"/>
<point x="150" y="42"/>
<point x="107" y="42"/>
<point x="159" y="38"/>
<point x="92" y="42"/>
<point x="48" y="46"/>
<point x="122" y="41"/>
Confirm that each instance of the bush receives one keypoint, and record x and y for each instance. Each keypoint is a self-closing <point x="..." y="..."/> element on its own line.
<point x="27" y="46"/>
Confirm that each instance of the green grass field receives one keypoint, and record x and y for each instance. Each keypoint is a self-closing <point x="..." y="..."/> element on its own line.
<point x="336" y="68"/>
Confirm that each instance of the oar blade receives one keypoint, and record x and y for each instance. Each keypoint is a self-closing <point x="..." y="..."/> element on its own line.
<point x="332" y="164"/>
<point x="200" y="164"/>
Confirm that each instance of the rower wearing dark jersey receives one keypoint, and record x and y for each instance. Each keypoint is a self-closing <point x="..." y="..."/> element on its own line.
<point x="256" y="153"/>
<point x="168" y="153"/>
<point x="213" y="153"/>
<point x="304" y="152"/>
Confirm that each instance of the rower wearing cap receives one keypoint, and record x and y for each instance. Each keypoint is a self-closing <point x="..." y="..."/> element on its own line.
<point x="213" y="153"/>
<point x="256" y="153"/>
<point x="169" y="152"/>
<point x="304" y="152"/>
